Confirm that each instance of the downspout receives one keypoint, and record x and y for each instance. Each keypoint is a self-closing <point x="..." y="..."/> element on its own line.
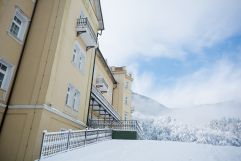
<point x="115" y="86"/>
<point x="17" y="69"/>
<point x="93" y="69"/>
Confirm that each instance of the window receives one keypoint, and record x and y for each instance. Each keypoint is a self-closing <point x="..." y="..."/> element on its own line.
<point x="126" y="100"/>
<point x="126" y="115"/>
<point x="5" y="74"/>
<point x="76" y="100"/>
<point x="78" y="57"/>
<point x="73" y="98"/>
<point x="68" y="96"/>
<point x="19" y="25"/>
<point x="126" y="85"/>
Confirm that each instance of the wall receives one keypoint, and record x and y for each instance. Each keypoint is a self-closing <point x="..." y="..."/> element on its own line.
<point x="9" y="45"/>
<point x="101" y="71"/>
<point x="43" y="80"/>
<point x="121" y="92"/>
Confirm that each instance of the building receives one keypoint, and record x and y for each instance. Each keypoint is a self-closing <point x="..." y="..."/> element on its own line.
<point x="123" y="94"/>
<point x="53" y="75"/>
<point x="102" y="92"/>
<point x="47" y="56"/>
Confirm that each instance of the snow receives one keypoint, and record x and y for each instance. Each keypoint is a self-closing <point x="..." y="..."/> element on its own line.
<point x="217" y="124"/>
<point x="146" y="150"/>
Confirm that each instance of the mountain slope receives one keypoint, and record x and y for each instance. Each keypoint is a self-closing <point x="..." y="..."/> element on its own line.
<point x="198" y="115"/>
<point x="147" y="106"/>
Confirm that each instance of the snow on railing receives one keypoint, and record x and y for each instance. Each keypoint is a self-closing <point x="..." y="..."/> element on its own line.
<point x="55" y="142"/>
<point x="123" y="125"/>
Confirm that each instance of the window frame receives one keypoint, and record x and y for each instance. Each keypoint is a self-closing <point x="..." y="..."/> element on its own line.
<point x="68" y="95"/>
<point x="126" y="85"/>
<point x="7" y="74"/>
<point x="79" y="57"/>
<point x="23" y="27"/>
<point x="76" y="102"/>
<point x="72" y="99"/>
<point x="126" y="100"/>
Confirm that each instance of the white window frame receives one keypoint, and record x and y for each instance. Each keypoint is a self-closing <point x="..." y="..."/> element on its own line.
<point x="22" y="27"/>
<point x="78" y="57"/>
<point x="68" y="100"/>
<point x="76" y="102"/>
<point x="126" y="85"/>
<point x="7" y="74"/>
<point x="126" y="100"/>
<point x="72" y="97"/>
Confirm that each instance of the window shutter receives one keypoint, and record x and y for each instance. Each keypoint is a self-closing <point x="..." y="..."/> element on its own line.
<point x="77" y="101"/>
<point x="70" y="95"/>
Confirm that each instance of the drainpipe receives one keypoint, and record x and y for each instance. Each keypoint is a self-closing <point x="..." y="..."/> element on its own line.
<point x="115" y="86"/>
<point x="92" y="78"/>
<point x="17" y="69"/>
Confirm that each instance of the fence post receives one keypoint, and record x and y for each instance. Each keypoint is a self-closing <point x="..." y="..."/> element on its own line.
<point x="42" y="142"/>
<point x="85" y="137"/>
<point x="97" y="135"/>
<point x="105" y="133"/>
<point x="68" y="140"/>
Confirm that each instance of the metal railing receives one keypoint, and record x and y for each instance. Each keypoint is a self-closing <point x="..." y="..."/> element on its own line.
<point x="82" y="23"/>
<point x="125" y="125"/>
<point x="107" y="105"/>
<point x="56" y="142"/>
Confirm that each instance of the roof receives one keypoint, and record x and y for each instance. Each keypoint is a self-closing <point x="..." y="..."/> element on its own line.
<point x="98" y="12"/>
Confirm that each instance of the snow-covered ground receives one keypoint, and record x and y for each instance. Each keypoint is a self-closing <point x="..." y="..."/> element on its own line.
<point x="146" y="150"/>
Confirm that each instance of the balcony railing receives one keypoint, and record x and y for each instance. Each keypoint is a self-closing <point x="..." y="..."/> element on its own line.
<point x="57" y="142"/>
<point x="106" y="105"/>
<point x="122" y="125"/>
<point x="86" y="32"/>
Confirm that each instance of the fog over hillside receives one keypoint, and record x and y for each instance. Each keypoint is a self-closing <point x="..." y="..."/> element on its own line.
<point x="147" y="106"/>
<point x="198" y="115"/>
<point x="217" y="124"/>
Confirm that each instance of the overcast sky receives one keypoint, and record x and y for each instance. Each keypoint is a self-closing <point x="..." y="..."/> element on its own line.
<point x="182" y="52"/>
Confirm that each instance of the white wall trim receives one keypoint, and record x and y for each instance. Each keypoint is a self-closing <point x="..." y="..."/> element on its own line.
<point x="2" y="105"/>
<point x="50" y="109"/>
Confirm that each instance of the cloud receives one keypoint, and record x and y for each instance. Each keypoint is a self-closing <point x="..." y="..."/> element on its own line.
<point x="165" y="28"/>
<point x="216" y="83"/>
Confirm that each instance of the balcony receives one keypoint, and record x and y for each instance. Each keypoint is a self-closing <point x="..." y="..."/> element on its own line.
<point x="101" y="85"/>
<point x="102" y="106"/>
<point x="86" y="32"/>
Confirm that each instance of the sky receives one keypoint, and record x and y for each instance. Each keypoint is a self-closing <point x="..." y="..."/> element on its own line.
<point x="181" y="53"/>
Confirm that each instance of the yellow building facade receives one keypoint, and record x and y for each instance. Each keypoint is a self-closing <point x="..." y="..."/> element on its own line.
<point x="57" y="40"/>
<point x="123" y="93"/>
<point x="52" y="74"/>
<point x="102" y="92"/>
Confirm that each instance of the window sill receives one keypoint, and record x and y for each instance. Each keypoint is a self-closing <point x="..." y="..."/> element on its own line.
<point x="69" y="107"/>
<point x="15" y="38"/>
